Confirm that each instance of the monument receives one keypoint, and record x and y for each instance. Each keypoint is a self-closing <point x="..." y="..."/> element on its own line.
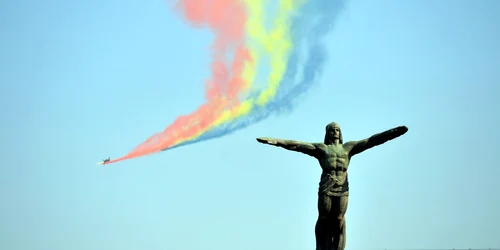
<point x="334" y="156"/>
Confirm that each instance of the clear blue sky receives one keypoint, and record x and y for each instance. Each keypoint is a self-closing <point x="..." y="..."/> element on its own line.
<point x="84" y="80"/>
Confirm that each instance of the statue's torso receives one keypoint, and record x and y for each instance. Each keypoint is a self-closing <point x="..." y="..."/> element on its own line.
<point x="334" y="161"/>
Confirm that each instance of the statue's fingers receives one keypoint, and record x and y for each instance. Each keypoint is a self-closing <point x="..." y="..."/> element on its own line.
<point x="262" y="140"/>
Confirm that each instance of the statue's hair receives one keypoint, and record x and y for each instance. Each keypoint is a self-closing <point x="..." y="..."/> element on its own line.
<point x="330" y="126"/>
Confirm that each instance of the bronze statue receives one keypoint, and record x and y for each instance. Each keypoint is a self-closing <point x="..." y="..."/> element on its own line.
<point x="334" y="157"/>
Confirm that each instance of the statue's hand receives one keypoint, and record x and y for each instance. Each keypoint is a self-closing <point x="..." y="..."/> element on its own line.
<point x="267" y="141"/>
<point x="401" y="130"/>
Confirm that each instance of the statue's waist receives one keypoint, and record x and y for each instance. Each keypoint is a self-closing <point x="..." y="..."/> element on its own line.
<point x="333" y="185"/>
<point x="327" y="177"/>
<point x="339" y="191"/>
<point x="330" y="185"/>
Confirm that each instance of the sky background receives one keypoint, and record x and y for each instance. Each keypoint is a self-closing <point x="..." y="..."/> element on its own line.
<point x="84" y="80"/>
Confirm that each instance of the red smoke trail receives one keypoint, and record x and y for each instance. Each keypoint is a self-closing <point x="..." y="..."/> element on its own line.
<point x="226" y="18"/>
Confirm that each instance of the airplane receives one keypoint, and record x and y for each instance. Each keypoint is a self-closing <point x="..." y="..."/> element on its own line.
<point x="103" y="161"/>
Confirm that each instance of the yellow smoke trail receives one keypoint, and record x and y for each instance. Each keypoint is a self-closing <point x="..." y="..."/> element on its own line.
<point x="276" y="43"/>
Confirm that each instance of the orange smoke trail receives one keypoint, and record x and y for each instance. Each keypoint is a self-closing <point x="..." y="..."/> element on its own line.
<point x="226" y="18"/>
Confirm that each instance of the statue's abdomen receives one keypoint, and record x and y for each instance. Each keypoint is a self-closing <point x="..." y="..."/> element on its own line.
<point x="334" y="180"/>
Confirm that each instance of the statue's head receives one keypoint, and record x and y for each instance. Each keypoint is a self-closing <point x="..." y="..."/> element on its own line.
<point x="332" y="133"/>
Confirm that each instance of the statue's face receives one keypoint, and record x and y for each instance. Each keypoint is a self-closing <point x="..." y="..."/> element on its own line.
<point x="333" y="132"/>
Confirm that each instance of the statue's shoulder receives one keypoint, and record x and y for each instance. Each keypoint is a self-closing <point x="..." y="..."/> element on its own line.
<point x="348" y="145"/>
<point x="319" y="145"/>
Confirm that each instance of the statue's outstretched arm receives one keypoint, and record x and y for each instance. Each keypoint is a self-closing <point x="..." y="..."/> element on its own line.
<point x="356" y="147"/>
<point x="302" y="147"/>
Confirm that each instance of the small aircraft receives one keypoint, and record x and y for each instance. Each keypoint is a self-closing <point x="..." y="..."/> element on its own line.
<point x="103" y="161"/>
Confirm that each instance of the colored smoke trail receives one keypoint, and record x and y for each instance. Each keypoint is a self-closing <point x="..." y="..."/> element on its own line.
<point x="227" y="19"/>
<point x="298" y="23"/>
<point x="276" y="44"/>
<point x="315" y="20"/>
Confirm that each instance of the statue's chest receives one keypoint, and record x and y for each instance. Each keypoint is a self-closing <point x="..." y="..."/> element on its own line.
<point x="333" y="155"/>
<point x="335" y="151"/>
